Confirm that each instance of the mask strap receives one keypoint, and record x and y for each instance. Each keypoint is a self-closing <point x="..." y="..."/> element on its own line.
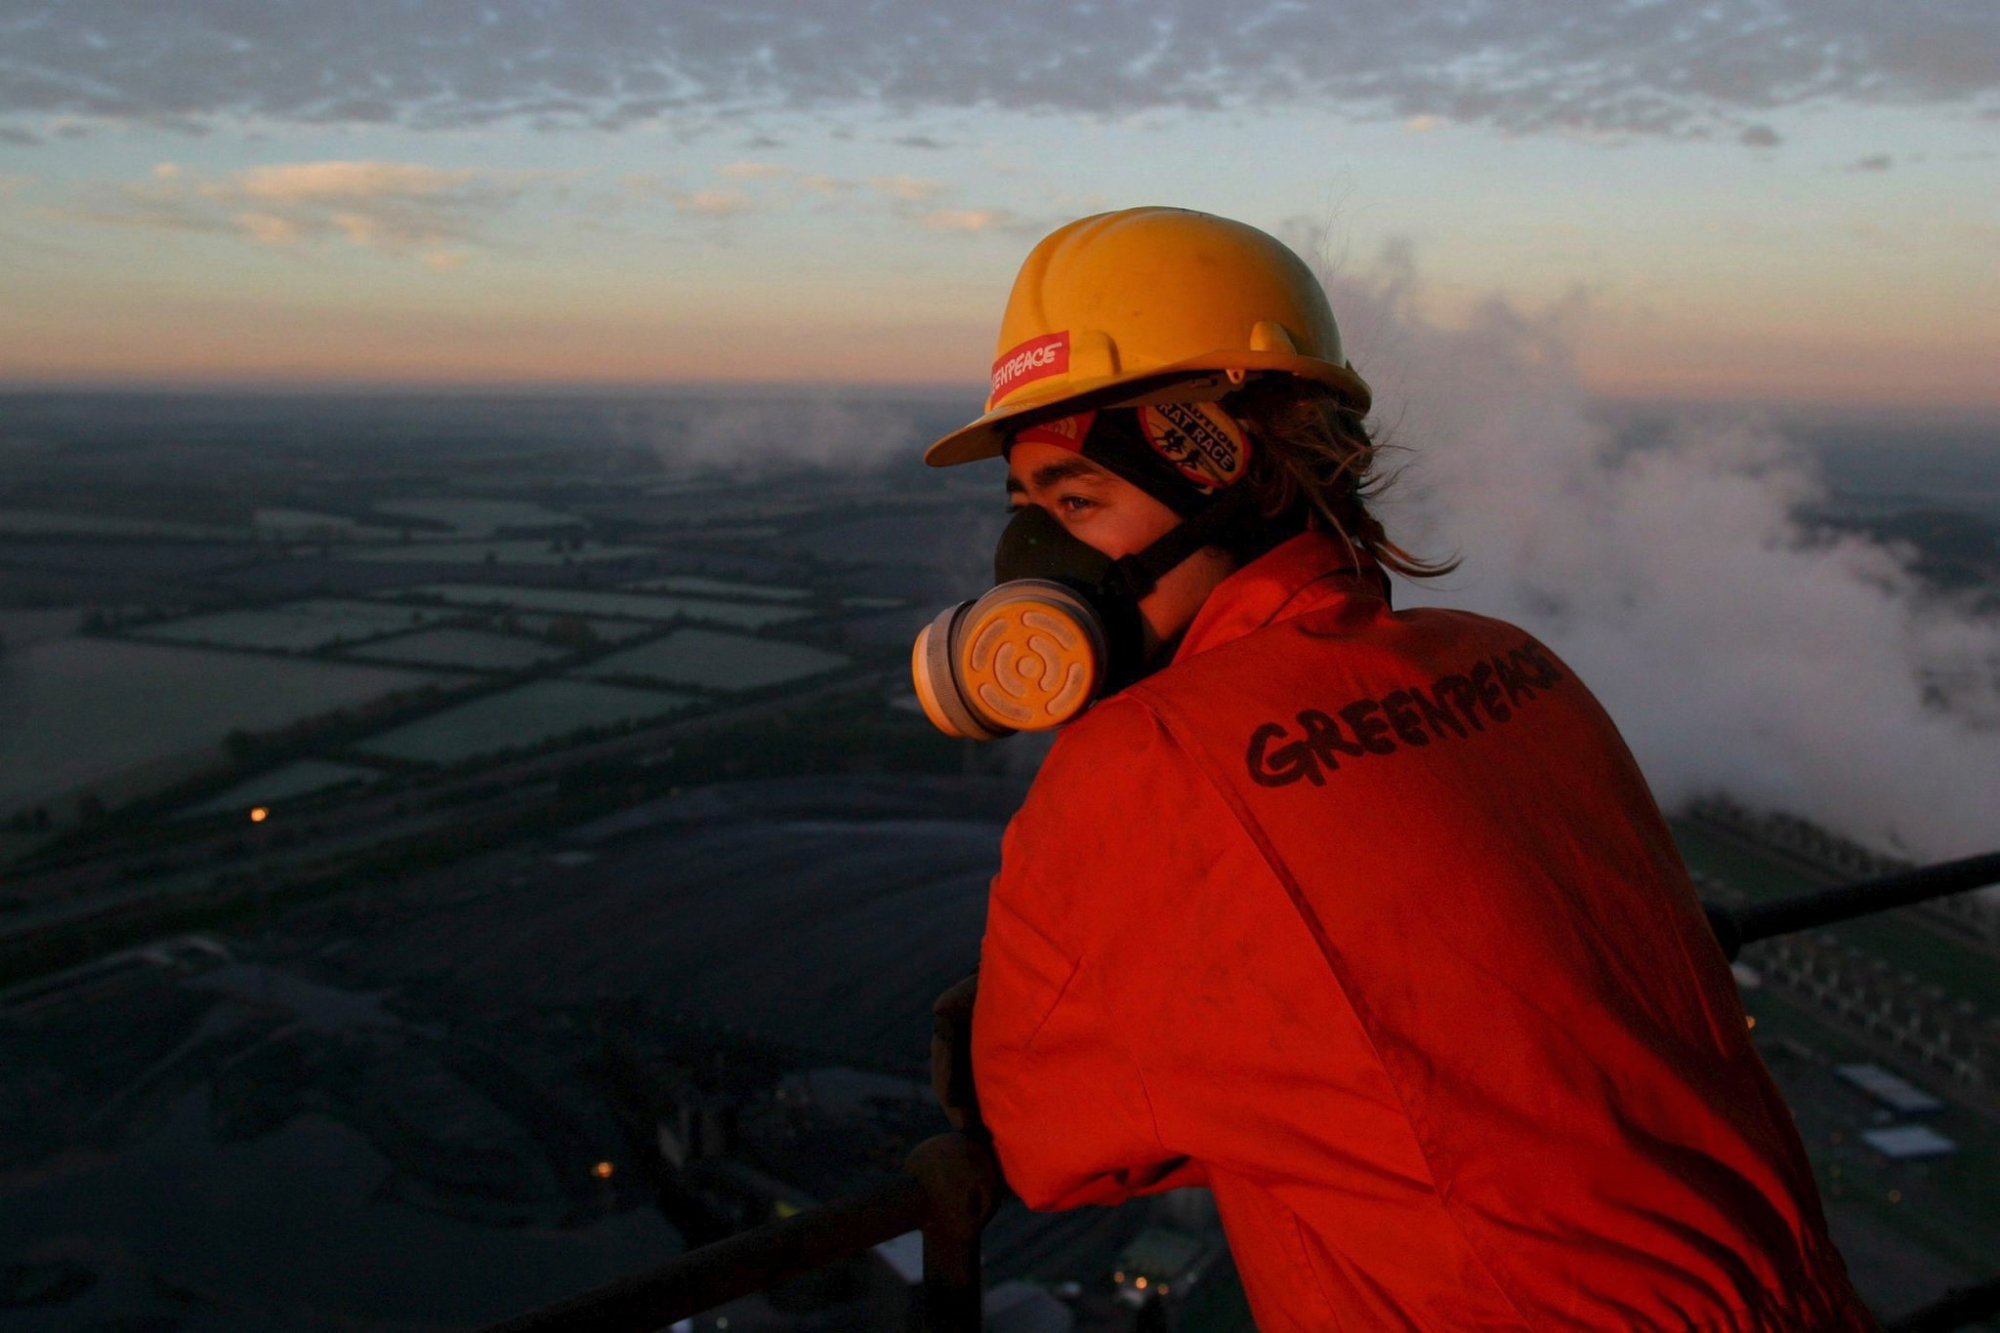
<point x="1137" y="574"/>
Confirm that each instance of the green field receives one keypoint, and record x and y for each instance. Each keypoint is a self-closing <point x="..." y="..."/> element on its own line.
<point x="633" y="606"/>
<point x="296" y="627"/>
<point x="727" y="663"/>
<point x="300" y="778"/>
<point x="467" y="648"/>
<point x="520" y="719"/>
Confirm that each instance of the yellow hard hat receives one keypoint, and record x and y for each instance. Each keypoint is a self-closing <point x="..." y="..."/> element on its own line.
<point x="1151" y="305"/>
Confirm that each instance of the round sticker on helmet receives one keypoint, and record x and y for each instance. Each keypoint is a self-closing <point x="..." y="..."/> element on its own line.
<point x="1201" y="440"/>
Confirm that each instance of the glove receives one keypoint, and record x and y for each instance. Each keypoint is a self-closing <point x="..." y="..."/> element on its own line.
<point x="951" y="1055"/>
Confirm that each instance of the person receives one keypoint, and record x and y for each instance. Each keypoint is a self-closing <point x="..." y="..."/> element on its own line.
<point x="1362" y="918"/>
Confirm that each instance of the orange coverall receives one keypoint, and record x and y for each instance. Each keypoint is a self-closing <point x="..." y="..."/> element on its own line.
<point x="1367" y="920"/>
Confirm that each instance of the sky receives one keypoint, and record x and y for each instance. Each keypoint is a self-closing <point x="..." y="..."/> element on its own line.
<point x="1740" y="200"/>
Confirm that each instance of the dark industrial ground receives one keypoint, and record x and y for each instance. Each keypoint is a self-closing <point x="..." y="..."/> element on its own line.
<point x="434" y="1041"/>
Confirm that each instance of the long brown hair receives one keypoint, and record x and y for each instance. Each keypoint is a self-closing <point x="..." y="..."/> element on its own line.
<point x="1314" y="464"/>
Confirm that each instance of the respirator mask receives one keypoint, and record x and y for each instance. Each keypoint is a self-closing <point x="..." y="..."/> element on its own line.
<point x="1061" y="628"/>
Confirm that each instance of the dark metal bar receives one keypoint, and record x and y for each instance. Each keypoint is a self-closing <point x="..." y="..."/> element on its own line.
<point x="1968" y="1305"/>
<point x="1736" y="927"/>
<point x="730" y="1269"/>
<point x="949" y="1189"/>
<point x="962" y="1186"/>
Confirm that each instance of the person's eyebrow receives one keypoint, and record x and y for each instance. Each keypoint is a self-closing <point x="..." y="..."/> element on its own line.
<point x="1055" y="473"/>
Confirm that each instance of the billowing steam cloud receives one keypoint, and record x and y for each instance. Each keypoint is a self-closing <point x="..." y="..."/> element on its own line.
<point x="1739" y="651"/>
<point x="821" y="429"/>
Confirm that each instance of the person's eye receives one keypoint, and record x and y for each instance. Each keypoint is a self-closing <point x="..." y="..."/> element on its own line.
<point x="1074" y="506"/>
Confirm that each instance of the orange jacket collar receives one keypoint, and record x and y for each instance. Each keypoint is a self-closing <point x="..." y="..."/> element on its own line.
<point x="1298" y="575"/>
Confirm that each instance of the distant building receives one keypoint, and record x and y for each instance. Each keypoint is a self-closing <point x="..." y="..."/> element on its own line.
<point x="1892" y="1090"/>
<point x="1162" y="1265"/>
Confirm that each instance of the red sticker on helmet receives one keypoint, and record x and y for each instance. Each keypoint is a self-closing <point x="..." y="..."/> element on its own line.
<point x="1037" y="358"/>
<point x="1201" y="440"/>
<point x="1064" y="432"/>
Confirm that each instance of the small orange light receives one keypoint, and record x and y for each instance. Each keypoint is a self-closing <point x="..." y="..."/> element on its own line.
<point x="1140" y="1283"/>
<point x="1751" y="1020"/>
<point x="259" y="814"/>
<point x="1895" y="1196"/>
<point x="602" y="1170"/>
<point x="1119" y="1278"/>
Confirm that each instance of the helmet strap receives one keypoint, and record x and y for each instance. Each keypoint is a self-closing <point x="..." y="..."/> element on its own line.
<point x="1138" y="574"/>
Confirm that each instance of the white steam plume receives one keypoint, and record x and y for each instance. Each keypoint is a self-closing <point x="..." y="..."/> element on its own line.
<point x="780" y="430"/>
<point x="1739" y="651"/>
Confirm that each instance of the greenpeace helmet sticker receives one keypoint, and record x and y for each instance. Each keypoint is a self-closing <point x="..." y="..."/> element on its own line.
<point x="1024" y="363"/>
<point x="1201" y="440"/>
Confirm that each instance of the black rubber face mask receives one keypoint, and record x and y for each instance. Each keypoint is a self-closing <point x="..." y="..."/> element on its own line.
<point x="1060" y="629"/>
<point x="1035" y="545"/>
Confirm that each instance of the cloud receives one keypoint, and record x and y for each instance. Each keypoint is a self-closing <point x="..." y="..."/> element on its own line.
<point x="714" y="203"/>
<point x="1619" y="68"/>
<point x="969" y="219"/>
<point x="908" y="189"/>
<point x="754" y="171"/>
<point x="643" y="182"/>
<point x="268" y="228"/>
<point x="394" y="208"/>
<point x="1872" y="162"/>
<point x="347" y="182"/>
<point x="1739" y="649"/>
<point x="750" y="436"/>
<point x="1424" y="124"/>
<point x="1759" y="136"/>
<point x="14" y="134"/>
<point x="923" y="141"/>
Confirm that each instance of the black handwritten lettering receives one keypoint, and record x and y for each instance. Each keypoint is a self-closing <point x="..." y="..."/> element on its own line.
<point x="1371" y="731"/>
<point x="1323" y="735"/>
<point x="1436" y="714"/>
<point x="1513" y="679"/>
<point x="1546" y="674"/>
<point x="1403" y="718"/>
<point x="1489" y="693"/>
<point x="1284" y="765"/>
<point x="1457" y="691"/>
<point x="1496" y="687"/>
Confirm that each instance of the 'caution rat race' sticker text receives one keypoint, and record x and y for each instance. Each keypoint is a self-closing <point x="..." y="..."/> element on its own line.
<point x="1201" y="440"/>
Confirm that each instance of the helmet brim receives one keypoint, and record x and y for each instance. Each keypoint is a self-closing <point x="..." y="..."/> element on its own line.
<point x="1196" y="379"/>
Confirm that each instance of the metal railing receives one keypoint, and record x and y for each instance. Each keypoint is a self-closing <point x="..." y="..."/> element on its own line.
<point x="951" y="1185"/>
<point x="1736" y="927"/>
<point x="948" y="1189"/>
